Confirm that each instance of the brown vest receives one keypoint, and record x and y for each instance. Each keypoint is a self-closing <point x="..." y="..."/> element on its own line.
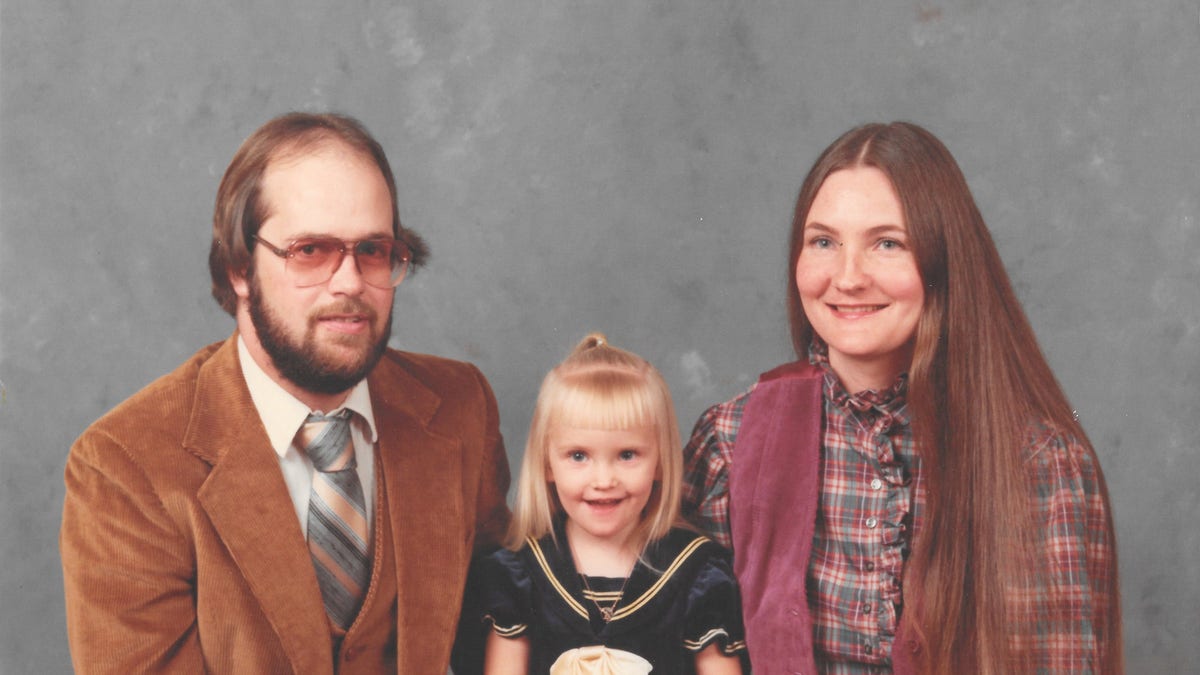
<point x="369" y="646"/>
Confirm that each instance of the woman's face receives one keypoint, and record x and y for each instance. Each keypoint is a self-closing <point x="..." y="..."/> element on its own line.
<point x="858" y="279"/>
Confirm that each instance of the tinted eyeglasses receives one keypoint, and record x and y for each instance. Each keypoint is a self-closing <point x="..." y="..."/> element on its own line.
<point x="312" y="261"/>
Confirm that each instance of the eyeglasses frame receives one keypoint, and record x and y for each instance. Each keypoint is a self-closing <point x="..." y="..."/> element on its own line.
<point x="347" y="247"/>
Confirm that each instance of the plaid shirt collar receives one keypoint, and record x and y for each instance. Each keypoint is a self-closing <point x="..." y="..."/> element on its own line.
<point x="892" y="401"/>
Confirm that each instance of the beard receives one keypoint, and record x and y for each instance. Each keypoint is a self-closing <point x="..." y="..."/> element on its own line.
<point x="302" y="362"/>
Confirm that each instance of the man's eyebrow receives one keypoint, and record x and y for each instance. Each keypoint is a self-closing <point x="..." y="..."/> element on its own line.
<point x="378" y="236"/>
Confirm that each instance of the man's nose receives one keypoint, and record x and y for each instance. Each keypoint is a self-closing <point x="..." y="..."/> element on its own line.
<point x="347" y="279"/>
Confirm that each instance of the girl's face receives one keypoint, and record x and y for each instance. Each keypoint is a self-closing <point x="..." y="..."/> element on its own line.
<point x="604" y="478"/>
<point x="858" y="278"/>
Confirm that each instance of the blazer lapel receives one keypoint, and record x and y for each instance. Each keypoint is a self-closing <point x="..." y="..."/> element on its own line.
<point x="248" y="505"/>
<point x="422" y="476"/>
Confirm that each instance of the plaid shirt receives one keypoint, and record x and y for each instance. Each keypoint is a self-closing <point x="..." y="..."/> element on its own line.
<point x="872" y="500"/>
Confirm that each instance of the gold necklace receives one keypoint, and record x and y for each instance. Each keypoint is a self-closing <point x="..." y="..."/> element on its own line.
<point x="606" y="613"/>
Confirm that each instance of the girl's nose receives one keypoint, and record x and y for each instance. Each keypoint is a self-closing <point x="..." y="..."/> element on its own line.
<point x="604" y="476"/>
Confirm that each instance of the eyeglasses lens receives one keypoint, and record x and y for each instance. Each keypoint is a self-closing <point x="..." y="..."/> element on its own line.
<point x="382" y="263"/>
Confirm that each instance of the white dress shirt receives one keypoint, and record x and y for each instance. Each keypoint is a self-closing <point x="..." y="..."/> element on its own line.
<point x="282" y="415"/>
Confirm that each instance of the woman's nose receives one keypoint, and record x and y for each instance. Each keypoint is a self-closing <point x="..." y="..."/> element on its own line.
<point x="850" y="273"/>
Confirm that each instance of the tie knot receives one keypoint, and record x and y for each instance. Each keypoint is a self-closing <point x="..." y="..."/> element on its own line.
<point x="326" y="441"/>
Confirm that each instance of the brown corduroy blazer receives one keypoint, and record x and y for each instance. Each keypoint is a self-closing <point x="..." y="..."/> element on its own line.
<point x="182" y="551"/>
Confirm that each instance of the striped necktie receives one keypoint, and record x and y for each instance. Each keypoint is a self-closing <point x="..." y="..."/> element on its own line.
<point x="337" y="519"/>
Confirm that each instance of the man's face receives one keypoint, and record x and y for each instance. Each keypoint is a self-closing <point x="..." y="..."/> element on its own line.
<point x="322" y="338"/>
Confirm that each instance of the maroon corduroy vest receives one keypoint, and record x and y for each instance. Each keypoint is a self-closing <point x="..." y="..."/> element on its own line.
<point x="774" y="484"/>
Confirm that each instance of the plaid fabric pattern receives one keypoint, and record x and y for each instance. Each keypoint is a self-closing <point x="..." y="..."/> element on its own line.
<point x="1066" y="615"/>
<point x="872" y="500"/>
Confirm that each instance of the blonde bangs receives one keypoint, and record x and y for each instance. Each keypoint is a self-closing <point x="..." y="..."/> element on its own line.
<point x="603" y="398"/>
<point x="599" y="387"/>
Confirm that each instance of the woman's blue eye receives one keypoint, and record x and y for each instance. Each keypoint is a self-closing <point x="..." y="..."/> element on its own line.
<point x="821" y="242"/>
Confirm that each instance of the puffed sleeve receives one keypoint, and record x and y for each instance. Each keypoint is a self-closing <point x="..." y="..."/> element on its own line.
<point x="714" y="609"/>
<point x="707" y="458"/>
<point x="505" y="591"/>
<point x="1070" y="614"/>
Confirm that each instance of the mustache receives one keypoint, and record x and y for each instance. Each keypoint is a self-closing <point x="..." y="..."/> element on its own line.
<point x="345" y="306"/>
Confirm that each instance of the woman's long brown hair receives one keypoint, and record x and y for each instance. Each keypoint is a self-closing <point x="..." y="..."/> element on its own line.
<point x="977" y="381"/>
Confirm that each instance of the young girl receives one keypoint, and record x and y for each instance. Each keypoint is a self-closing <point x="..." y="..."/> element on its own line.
<point x="597" y="578"/>
<point x="938" y="507"/>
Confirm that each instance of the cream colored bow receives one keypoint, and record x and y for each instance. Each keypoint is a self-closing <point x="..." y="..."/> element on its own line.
<point x="599" y="660"/>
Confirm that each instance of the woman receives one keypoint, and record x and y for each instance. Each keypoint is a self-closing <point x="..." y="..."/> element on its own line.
<point x="919" y="463"/>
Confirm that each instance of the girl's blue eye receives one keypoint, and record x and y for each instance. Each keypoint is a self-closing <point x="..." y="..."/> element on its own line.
<point x="628" y="455"/>
<point x="577" y="455"/>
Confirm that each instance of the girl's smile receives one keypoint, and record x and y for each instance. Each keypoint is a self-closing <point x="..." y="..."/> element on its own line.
<point x="604" y="479"/>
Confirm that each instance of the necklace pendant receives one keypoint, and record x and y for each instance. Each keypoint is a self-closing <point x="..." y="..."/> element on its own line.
<point x="606" y="613"/>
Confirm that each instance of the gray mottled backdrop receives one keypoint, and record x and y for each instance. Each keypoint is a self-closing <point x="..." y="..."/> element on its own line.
<point x="621" y="166"/>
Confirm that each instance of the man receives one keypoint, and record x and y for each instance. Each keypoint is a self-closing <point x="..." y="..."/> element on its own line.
<point x="298" y="498"/>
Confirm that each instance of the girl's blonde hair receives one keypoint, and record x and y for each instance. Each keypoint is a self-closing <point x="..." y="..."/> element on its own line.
<point x="601" y="387"/>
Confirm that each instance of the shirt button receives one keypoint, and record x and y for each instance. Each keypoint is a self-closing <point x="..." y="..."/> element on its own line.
<point x="868" y="649"/>
<point x="876" y="484"/>
<point x="866" y="608"/>
<point x="869" y="566"/>
<point x="871" y="523"/>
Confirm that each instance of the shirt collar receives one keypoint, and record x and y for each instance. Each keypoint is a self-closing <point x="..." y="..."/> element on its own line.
<point x="282" y="414"/>
<point x="890" y="401"/>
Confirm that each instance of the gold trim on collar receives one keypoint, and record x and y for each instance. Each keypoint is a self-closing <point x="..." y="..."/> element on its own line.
<point x="670" y="571"/>
<point x="602" y="596"/>
<point x="541" y="558"/>
<point x="631" y="607"/>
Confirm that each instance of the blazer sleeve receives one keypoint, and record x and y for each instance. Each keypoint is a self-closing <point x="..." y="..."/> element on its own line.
<point x="491" y="523"/>
<point x="491" y="512"/>
<point x="128" y="571"/>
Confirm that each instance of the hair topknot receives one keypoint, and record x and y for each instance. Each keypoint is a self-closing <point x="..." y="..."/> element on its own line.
<point x="592" y="341"/>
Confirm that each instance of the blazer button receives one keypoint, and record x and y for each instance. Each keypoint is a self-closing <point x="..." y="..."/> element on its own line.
<point x="350" y="654"/>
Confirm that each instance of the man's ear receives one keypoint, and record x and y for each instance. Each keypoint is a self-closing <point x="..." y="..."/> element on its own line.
<point x="240" y="284"/>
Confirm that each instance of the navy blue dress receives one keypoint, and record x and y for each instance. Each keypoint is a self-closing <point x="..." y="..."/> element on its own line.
<point x="679" y="599"/>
